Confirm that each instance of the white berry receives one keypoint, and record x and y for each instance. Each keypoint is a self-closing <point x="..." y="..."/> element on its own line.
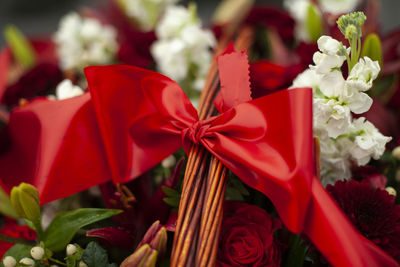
<point x="71" y="249"/>
<point x="9" y="261"/>
<point x="27" y="261"/>
<point x="37" y="253"/>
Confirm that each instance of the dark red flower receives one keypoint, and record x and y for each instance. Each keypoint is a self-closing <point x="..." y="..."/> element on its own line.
<point x="11" y="228"/>
<point x="40" y="80"/>
<point x="247" y="237"/>
<point x="372" y="211"/>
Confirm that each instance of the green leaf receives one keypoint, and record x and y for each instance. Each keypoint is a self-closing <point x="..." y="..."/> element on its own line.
<point x="170" y="192"/>
<point x="64" y="226"/>
<point x="18" y="251"/>
<point x="372" y="48"/>
<point x="95" y="256"/>
<point x="5" y="205"/>
<point x="172" y="201"/>
<point x="313" y="23"/>
<point x="20" y="46"/>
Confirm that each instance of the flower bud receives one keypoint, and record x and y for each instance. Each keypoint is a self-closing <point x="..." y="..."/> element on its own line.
<point x="156" y="237"/>
<point x="391" y="191"/>
<point x="37" y="253"/>
<point x="28" y="262"/>
<point x="396" y="153"/>
<point x="82" y="264"/>
<point x="9" y="261"/>
<point x="25" y="201"/>
<point x="71" y="249"/>
<point x="145" y="256"/>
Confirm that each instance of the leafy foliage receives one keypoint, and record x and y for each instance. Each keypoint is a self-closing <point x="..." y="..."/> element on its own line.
<point x="64" y="226"/>
<point x="95" y="256"/>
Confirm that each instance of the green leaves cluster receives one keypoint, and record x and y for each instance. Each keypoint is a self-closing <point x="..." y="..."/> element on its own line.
<point x="173" y="196"/>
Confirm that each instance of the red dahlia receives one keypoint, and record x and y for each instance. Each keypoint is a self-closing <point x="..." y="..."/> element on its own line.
<point x="372" y="211"/>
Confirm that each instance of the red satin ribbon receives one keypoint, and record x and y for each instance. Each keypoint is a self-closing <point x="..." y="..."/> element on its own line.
<point x="266" y="142"/>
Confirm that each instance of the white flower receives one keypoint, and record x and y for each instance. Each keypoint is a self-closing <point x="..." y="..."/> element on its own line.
<point x="28" y="262"/>
<point x="66" y="89"/>
<point x="298" y="10"/>
<point x="146" y="13"/>
<point x="183" y="48"/>
<point x="338" y="6"/>
<point x="171" y="59"/>
<point x="84" y="41"/>
<point x="71" y="249"/>
<point x="335" y="164"/>
<point x="37" y="253"/>
<point x="369" y="142"/>
<point x="358" y="102"/>
<point x="329" y="46"/>
<point x="82" y="264"/>
<point x="9" y="261"/>
<point x="174" y="21"/>
<point x="363" y="74"/>
<point x="308" y="78"/>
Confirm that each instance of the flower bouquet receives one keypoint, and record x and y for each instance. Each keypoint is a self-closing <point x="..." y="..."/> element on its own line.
<point x="134" y="136"/>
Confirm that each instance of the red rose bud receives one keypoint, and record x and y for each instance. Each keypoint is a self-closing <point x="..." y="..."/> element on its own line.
<point x="145" y="256"/>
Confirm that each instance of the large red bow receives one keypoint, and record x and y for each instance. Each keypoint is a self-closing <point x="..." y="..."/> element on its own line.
<point x="136" y="118"/>
<point x="266" y="142"/>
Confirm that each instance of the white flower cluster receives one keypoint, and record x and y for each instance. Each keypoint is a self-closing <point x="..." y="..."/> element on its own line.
<point x="299" y="10"/>
<point x="342" y="138"/>
<point x="146" y="13"/>
<point x="183" y="47"/>
<point x="84" y="41"/>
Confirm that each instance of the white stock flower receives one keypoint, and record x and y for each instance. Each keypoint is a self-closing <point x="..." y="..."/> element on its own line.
<point x="331" y="57"/>
<point x="368" y="141"/>
<point x="358" y="102"/>
<point x="338" y="6"/>
<point x="342" y="139"/>
<point x="308" y="78"/>
<point x="146" y="13"/>
<point x="66" y="89"/>
<point x="84" y="41"/>
<point x="363" y="74"/>
<point x="328" y="45"/>
<point x="183" y="47"/>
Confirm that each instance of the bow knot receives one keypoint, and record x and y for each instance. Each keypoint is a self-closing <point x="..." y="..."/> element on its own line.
<point x="197" y="130"/>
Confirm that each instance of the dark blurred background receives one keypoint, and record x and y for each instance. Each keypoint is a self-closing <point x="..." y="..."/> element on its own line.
<point x="41" y="17"/>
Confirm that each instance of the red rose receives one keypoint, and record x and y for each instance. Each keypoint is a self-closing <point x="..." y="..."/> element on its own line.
<point x="247" y="237"/>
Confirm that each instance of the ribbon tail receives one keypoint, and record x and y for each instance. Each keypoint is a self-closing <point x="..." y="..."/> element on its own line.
<point x="55" y="146"/>
<point x="336" y="238"/>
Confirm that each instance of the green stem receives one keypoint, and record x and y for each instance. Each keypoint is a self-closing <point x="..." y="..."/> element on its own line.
<point x="16" y="240"/>
<point x="39" y="230"/>
<point x="57" y="261"/>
